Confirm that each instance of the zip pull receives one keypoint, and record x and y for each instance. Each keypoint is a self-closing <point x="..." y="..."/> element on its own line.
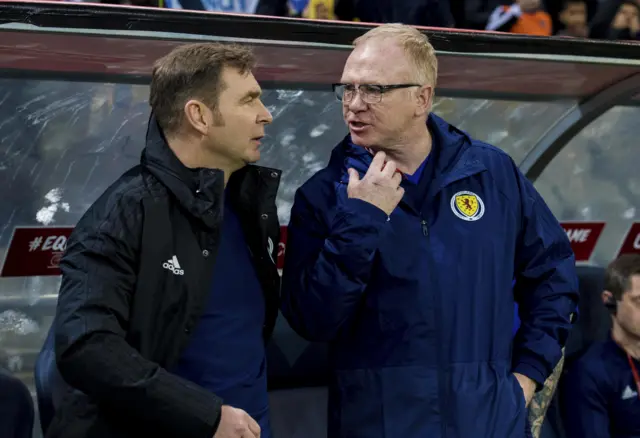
<point x="425" y="228"/>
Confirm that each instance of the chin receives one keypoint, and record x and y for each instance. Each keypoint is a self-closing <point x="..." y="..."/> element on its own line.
<point x="362" y="140"/>
<point x="358" y="139"/>
<point x="252" y="157"/>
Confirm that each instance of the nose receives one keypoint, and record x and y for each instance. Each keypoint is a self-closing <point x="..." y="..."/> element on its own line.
<point x="356" y="103"/>
<point x="265" y="115"/>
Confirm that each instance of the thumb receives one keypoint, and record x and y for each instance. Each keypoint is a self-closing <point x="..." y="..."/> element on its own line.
<point x="353" y="176"/>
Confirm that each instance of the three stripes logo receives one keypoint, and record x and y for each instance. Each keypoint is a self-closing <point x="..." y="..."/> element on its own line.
<point x="629" y="393"/>
<point x="173" y="266"/>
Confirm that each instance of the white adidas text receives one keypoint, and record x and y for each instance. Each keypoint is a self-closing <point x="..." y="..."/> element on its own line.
<point x="174" y="266"/>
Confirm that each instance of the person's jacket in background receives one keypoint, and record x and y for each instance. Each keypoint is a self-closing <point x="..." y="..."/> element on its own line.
<point x="598" y="394"/>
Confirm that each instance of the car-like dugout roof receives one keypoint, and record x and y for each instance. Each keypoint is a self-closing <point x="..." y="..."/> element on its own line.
<point x="92" y="42"/>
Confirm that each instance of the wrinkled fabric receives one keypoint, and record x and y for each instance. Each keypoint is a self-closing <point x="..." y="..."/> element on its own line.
<point x="418" y="307"/>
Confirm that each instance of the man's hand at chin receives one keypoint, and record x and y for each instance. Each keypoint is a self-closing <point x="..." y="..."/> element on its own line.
<point x="528" y="387"/>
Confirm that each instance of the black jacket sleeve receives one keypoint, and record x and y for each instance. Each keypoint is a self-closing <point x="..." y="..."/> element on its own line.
<point x="92" y="353"/>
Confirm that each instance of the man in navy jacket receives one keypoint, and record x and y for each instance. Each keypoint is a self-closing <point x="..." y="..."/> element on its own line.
<point x="402" y="253"/>
<point x="600" y="393"/>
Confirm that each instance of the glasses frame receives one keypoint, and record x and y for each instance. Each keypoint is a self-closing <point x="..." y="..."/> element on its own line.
<point x="383" y="89"/>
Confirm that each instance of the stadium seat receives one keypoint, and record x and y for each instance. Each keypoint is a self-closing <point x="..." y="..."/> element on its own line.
<point x="594" y="321"/>
<point x="592" y="325"/>
<point x="16" y="407"/>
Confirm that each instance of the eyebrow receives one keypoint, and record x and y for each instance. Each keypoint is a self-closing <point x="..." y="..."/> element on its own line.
<point x="252" y="94"/>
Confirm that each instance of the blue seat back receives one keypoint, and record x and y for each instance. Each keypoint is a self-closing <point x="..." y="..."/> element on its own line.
<point x="16" y="407"/>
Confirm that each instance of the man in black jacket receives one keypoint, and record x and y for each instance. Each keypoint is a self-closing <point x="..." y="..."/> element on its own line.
<point x="169" y="287"/>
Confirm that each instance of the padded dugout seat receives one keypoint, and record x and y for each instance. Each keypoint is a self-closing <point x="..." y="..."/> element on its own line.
<point x="16" y="407"/>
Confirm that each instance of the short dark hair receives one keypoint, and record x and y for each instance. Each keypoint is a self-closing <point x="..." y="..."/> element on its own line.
<point x="193" y="71"/>
<point x="617" y="279"/>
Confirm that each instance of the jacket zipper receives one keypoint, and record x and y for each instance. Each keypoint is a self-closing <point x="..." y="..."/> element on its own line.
<point x="425" y="228"/>
<point x="438" y="339"/>
<point x="441" y="343"/>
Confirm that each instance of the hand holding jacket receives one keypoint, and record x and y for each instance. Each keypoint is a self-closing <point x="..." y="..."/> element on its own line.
<point x="380" y="185"/>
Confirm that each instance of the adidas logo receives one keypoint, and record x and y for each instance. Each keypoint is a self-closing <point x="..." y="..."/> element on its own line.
<point x="628" y="393"/>
<point x="173" y="266"/>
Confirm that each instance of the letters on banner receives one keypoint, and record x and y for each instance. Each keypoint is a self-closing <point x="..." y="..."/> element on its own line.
<point x="631" y="242"/>
<point x="35" y="251"/>
<point x="583" y="237"/>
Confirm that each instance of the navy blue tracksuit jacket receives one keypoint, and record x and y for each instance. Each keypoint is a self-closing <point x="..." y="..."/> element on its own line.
<point x="418" y="307"/>
<point x="598" y="394"/>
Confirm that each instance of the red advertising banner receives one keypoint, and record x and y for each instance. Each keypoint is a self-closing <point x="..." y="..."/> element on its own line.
<point x="282" y="246"/>
<point x="35" y="251"/>
<point x="583" y="237"/>
<point x="631" y="243"/>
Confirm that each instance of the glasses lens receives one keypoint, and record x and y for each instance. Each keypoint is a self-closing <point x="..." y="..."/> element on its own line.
<point x="371" y="93"/>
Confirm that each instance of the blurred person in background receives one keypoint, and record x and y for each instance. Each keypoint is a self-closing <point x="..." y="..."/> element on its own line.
<point x="402" y="255"/>
<point x="296" y="8"/>
<point x="233" y="6"/>
<point x="279" y="8"/>
<point x="523" y="17"/>
<point x="432" y="13"/>
<point x="435" y="13"/>
<point x="573" y="18"/>
<point x="320" y="10"/>
<point x="600" y="392"/>
<point x="474" y="14"/>
<point x="617" y="20"/>
<point x="169" y="287"/>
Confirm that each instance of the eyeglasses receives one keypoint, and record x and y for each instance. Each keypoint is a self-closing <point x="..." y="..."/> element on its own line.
<point x="369" y="93"/>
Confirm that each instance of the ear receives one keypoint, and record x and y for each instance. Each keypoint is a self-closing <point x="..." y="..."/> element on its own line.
<point x="607" y="297"/>
<point x="198" y="115"/>
<point x="424" y="100"/>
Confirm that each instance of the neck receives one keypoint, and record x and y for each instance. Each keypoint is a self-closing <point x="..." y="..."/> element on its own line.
<point x="412" y="150"/>
<point x="193" y="155"/>
<point x="629" y="343"/>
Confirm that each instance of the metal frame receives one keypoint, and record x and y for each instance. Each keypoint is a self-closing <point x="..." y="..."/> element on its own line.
<point x="574" y="121"/>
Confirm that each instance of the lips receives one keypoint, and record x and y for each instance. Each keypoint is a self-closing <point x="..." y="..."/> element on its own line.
<point x="356" y="126"/>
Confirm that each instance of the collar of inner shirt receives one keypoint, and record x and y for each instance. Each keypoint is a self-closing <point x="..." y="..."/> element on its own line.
<point x="415" y="177"/>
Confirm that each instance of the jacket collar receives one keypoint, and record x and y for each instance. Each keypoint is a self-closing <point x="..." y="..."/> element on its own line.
<point x="448" y="153"/>
<point x="200" y="191"/>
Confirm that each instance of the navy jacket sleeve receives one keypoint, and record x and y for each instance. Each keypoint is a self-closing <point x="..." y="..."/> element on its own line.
<point x="328" y="260"/>
<point x="584" y="405"/>
<point x="546" y="287"/>
<point x="99" y="275"/>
